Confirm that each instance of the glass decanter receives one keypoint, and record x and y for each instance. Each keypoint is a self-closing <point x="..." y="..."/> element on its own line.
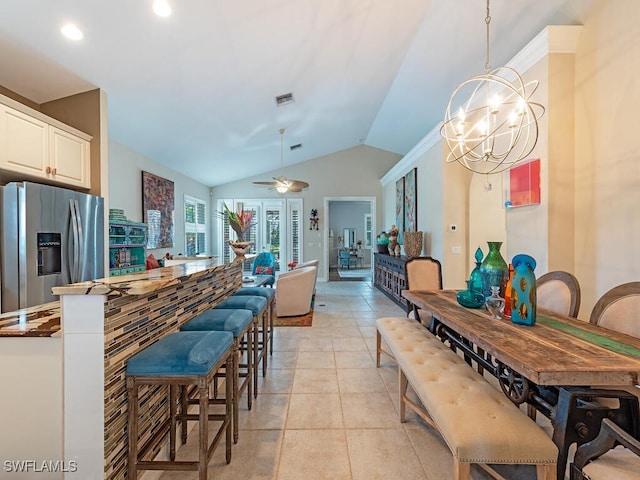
<point x="495" y="303"/>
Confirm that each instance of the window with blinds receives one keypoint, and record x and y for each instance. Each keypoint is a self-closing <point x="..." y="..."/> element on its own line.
<point x="276" y="229"/>
<point x="195" y="226"/>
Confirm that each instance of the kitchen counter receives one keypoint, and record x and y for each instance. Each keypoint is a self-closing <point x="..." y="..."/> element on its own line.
<point x="142" y="283"/>
<point x="39" y="321"/>
<point x="44" y="320"/>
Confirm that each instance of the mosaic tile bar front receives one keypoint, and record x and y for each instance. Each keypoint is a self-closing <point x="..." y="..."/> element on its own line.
<point x="133" y="322"/>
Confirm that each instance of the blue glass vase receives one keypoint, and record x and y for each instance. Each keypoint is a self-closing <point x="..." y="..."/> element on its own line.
<point x="523" y="290"/>
<point x="494" y="270"/>
<point x="475" y="279"/>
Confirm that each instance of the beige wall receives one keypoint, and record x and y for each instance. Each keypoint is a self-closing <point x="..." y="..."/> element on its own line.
<point x="588" y="221"/>
<point x="354" y="172"/>
<point x="125" y="189"/>
<point x="607" y="150"/>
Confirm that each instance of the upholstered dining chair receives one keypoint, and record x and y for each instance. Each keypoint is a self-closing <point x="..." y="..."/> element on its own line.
<point x="619" y="309"/>
<point x="559" y="292"/>
<point x="346" y="259"/>
<point x="613" y="454"/>
<point x="422" y="273"/>
<point x="265" y="264"/>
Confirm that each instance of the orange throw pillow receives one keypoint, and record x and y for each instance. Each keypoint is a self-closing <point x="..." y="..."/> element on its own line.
<point x="152" y="262"/>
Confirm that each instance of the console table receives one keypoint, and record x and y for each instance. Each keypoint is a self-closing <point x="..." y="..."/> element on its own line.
<point x="389" y="276"/>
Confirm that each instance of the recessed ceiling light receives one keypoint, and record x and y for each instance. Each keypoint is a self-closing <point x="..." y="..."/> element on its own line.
<point x="162" y="8"/>
<point x="72" y="32"/>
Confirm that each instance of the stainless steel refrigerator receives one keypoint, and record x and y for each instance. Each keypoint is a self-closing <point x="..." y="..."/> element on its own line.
<point x="49" y="236"/>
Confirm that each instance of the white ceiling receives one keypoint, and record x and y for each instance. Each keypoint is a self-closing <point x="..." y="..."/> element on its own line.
<point x="196" y="91"/>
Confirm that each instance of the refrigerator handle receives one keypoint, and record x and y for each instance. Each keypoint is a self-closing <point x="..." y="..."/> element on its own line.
<point x="80" y="238"/>
<point x="74" y="241"/>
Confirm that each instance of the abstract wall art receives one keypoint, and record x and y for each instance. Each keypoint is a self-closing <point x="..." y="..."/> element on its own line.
<point x="411" y="201"/>
<point x="158" y="203"/>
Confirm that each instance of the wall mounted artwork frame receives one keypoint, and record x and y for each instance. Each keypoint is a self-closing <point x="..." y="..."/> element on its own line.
<point x="158" y="205"/>
<point x="400" y="208"/>
<point x="523" y="184"/>
<point x="411" y="201"/>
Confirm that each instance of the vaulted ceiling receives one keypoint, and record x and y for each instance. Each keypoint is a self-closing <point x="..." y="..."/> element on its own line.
<point x="196" y="91"/>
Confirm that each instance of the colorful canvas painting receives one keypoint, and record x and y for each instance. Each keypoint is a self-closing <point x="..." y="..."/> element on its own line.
<point x="158" y="203"/>
<point x="524" y="184"/>
<point x="411" y="201"/>
<point x="400" y="208"/>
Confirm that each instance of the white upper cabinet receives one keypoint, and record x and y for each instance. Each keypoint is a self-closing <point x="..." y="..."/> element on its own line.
<point x="42" y="148"/>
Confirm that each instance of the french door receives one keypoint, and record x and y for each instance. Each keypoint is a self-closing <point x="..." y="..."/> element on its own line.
<point x="276" y="228"/>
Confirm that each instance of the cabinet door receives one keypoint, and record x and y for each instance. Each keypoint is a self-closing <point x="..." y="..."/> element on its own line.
<point x="23" y="143"/>
<point x="69" y="158"/>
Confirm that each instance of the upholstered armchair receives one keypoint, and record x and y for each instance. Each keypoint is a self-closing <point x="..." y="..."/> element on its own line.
<point x="311" y="263"/>
<point x="264" y="264"/>
<point x="294" y="292"/>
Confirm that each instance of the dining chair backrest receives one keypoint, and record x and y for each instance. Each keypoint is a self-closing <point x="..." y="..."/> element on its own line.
<point x="614" y="453"/>
<point x="263" y="259"/>
<point x="559" y="292"/>
<point x="619" y="309"/>
<point x="423" y="273"/>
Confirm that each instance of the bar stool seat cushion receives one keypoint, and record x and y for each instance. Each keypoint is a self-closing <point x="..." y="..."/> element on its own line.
<point x="267" y="293"/>
<point x="223" y="320"/>
<point x="181" y="353"/>
<point x="248" y="302"/>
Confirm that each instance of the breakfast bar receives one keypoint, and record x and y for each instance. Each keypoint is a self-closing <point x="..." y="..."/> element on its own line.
<point x="93" y="330"/>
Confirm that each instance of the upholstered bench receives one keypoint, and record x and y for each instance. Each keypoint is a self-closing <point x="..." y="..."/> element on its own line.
<point x="478" y="423"/>
<point x="239" y="323"/>
<point x="180" y="360"/>
<point x="270" y="295"/>
<point x="258" y="307"/>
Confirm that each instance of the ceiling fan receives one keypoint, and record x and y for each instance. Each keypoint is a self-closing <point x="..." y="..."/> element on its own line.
<point x="282" y="184"/>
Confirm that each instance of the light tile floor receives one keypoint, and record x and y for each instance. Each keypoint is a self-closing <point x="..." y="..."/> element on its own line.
<point x="325" y="411"/>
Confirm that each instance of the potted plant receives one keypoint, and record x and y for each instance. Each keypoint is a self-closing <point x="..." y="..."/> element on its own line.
<point x="240" y="221"/>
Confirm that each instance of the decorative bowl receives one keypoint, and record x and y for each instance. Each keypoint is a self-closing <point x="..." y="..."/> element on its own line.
<point x="240" y="248"/>
<point x="470" y="299"/>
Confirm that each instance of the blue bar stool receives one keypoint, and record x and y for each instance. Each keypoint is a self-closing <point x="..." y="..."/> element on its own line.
<point x="239" y="323"/>
<point x="180" y="360"/>
<point x="258" y="307"/>
<point x="270" y="295"/>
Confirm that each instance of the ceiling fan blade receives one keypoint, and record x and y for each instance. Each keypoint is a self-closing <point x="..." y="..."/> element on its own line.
<point x="299" y="184"/>
<point x="265" y="183"/>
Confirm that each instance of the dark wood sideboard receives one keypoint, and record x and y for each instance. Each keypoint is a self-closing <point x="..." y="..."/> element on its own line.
<point x="389" y="276"/>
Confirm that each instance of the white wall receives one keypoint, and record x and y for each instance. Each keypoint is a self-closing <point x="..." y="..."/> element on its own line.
<point x="125" y="190"/>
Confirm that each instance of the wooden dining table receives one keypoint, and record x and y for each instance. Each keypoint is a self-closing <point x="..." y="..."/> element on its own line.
<point x="559" y="366"/>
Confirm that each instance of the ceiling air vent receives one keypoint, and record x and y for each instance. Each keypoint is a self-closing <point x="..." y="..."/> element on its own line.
<point x="295" y="147"/>
<point x="285" y="99"/>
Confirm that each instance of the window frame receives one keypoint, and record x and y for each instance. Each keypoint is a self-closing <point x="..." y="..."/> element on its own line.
<point x="196" y="228"/>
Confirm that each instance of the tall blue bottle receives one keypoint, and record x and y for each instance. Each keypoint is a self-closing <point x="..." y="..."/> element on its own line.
<point x="523" y="290"/>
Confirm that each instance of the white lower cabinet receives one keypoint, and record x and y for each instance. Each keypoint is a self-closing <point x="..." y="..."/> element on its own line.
<point x="40" y="150"/>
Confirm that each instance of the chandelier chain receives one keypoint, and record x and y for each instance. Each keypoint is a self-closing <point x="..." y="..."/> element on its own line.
<point x="487" y="20"/>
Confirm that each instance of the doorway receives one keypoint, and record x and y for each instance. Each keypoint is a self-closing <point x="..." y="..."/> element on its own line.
<point x="355" y="215"/>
